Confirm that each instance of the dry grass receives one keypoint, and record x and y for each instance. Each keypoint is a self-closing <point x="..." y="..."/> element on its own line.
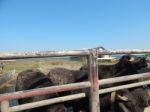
<point x="43" y="65"/>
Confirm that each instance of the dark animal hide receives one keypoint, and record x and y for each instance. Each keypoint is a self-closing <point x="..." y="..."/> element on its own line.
<point x="31" y="79"/>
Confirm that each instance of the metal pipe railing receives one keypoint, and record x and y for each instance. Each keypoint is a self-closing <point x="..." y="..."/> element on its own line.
<point x="92" y="55"/>
<point x="73" y="97"/>
<point x="102" y="82"/>
<point x="43" y="54"/>
<point x="68" y="87"/>
<point x="116" y="88"/>
<point x="123" y="78"/>
<point x="93" y="77"/>
<point x="46" y="102"/>
<point x="124" y="51"/>
<point x="43" y="91"/>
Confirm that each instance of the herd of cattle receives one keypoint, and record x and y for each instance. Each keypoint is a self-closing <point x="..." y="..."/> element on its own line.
<point x="135" y="99"/>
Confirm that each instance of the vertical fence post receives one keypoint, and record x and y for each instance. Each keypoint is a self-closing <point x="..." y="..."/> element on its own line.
<point x="93" y="76"/>
<point x="5" y="106"/>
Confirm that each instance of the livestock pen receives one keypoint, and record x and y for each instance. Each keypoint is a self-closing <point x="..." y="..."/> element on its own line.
<point x="93" y="82"/>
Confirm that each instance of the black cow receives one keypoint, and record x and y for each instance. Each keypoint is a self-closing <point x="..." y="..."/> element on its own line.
<point x="61" y="76"/>
<point x="123" y="67"/>
<point x="138" y="99"/>
<point x="31" y="79"/>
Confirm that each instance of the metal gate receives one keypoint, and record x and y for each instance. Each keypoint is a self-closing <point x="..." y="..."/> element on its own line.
<point x="93" y="82"/>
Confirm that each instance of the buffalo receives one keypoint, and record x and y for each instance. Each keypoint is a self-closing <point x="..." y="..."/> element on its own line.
<point x="59" y="76"/>
<point x="138" y="99"/>
<point x="123" y="67"/>
<point x="31" y="79"/>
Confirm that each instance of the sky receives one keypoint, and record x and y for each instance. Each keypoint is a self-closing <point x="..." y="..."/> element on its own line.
<point x="39" y="25"/>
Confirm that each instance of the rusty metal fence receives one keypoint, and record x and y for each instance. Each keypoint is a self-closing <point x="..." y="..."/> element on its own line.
<point x="93" y="82"/>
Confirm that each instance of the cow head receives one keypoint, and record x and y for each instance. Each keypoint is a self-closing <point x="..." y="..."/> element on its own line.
<point x="129" y="65"/>
<point x="140" y="63"/>
<point x="124" y="66"/>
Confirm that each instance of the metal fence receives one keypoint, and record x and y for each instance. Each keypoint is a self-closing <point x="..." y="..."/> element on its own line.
<point x="93" y="82"/>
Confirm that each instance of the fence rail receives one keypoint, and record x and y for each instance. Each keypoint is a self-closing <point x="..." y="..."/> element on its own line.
<point x="47" y="102"/>
<point x="43" y="54"/>
<point x="68" y="87"/>
<point x="43" y="91"/>
<point x="21" y="94"/>
<point x="93" y="84"/>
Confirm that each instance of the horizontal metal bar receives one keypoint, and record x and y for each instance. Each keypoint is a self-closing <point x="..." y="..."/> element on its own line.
<point x="43" y="54"/>
<point x="72" y="97"/>
<point x="43" y="91"/>
<point x="47" y="102"/>
<point x="67" y="87"/>
<point x="111" y="89"/>
<point x="124" y="51"/>
<point x="123" y="78"/>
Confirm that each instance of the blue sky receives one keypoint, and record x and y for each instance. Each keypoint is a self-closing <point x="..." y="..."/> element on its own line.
<point x="30" y="25"/>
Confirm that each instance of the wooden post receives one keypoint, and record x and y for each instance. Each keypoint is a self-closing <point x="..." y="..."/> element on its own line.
<point x="5" y="106"/>
<point x="93" y="76"/>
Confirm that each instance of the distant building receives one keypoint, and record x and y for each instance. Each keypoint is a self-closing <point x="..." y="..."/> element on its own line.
<point x="106" y="57"/>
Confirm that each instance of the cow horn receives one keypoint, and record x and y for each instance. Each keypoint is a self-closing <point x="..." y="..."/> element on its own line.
<point x="123" y="98"/>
